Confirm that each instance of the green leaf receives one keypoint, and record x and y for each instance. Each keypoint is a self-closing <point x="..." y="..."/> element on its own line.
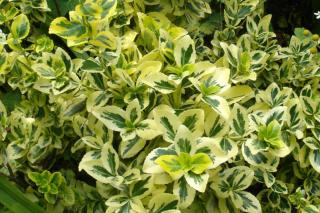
<point x="11" y="99"/>
<point x="309" y="209"/>
<point x="227" y="206"/>
<point x="15" y="200"/>
<point x="20" y="27"/>
<point x="200" y="162"/>
<point x="68" y="196"/>
<point x="61" y="8"/>
<point x="174" y="165"/>
<point x="271" y="134"/>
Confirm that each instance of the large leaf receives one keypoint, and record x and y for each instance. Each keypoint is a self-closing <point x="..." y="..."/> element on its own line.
<point x="96" y="169"/>
<point x="14" y="199"/>
<point x="193" y="119"/>
<point x="265" y="160"/>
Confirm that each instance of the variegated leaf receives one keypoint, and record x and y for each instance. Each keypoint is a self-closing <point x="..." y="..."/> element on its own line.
<point x="141" y="188"/>
<point x="150" y="166"/>
<point x="130" y="148"/>
<point x="197" y="181"/>
<point x="218" y="104"/>
<point x="185" y="192"/>
<point x="184" y="141"/>
<point x="184" y="51"/>
<point x="239" y="120"/>
<point x="110" y="159"/>
<point x="226" y="205"/>
<point x="246" y="202"/>
<point x="168" y="121"/>
<point x="264" y="160"/>
<point x="215" y="125"/>
<point x="194" y="120"/>
<point x="159" y="82"/>
<point x="164" y="202"/>
<point x="219" y="150"/>
<point x="113" y="117"/>
<point x="20" y="27"/>
<point x="147" y="129"/>
<point x="314" y="158"/>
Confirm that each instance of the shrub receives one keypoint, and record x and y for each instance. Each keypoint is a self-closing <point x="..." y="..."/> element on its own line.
<point x="158" y="106"/>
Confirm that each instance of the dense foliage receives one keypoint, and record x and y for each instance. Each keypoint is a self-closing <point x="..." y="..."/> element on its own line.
<point x="158" y="106"/>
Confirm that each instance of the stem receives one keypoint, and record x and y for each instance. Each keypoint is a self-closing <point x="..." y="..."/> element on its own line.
<point x="315" y="84"/>
<point x="177" y="97"/>
<point x="57" y="7"/>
